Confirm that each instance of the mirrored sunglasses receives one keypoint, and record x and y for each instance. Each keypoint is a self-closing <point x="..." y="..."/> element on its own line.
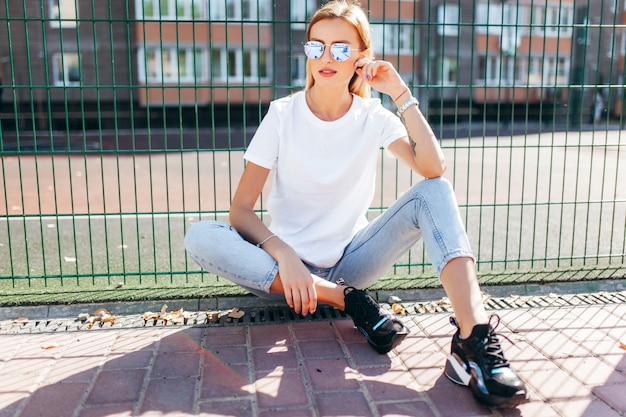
<point x="339" y="51"/>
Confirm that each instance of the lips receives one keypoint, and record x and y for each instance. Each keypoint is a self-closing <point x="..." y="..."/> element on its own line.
<point x="327" y="72"/>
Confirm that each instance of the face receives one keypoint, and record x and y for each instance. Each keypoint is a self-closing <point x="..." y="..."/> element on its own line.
<point x="326" y="70"/>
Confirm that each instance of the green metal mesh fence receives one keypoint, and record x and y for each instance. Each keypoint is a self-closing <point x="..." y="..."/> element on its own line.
<point x="121" y="122"/>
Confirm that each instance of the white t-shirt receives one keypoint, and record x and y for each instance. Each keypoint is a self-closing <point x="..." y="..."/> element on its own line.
<point x="325" y="172"/>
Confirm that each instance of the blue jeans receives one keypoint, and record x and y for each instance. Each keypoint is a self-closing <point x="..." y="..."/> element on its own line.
<point x="427" y="211"/>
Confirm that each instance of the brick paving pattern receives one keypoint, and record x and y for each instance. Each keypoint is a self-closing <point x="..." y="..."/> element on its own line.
<point x="570" y="358"/>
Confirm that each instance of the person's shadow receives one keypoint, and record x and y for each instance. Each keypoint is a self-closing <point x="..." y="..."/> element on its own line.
<point x="324" y="365"/>
<point x="307" y="367"/>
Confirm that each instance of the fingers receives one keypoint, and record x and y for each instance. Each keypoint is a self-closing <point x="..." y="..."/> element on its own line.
<point x="367" y="68"/>
<point x="305" y="301"/>
<point x="309" y="301"/>
<point x="288" y="297"/>
<point x="302" y="300"/>
<point x="297" y="285"/>
<point x="312" y="299"/>
<point x="380" y="75"/>
<point x="297" y="301"/>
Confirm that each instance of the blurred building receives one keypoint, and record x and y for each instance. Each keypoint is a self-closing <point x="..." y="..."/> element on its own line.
<point x="79" y="64"/>
<point x="61" y="62"/>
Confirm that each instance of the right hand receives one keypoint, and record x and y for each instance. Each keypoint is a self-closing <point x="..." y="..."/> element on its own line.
<point x="298" y="284"/>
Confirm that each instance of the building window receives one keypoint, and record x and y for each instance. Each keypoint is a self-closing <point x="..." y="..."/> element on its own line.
<point x="495" y="19"/>
<point x="298" y="70"/>
<point x="218" y="65"/>
<point x="447" y="71"/>
<point x="247" y="64"/>
<point x="171" y="9"/>
<point x="535" y="71"/>
<point x="508" y="70"/>
<point x="486" y="69"/>
<point x="556" y="71"/>
<point x="172" y="65"/>
<point x="559" y="20"/>
<point x="395" y="39"/>
<point x="63" y="13"/>
<point x="300" y="10"/>
<point x="614" y="5"/>
<point x="538" y="19"/>
<point x="508" y="67"/>
<point x="66" y="68"/>
<point x="553" y="21"/>
<point x="448" y="19"/>
<point x="548" y="70"/>
<point x="240" y="10"/>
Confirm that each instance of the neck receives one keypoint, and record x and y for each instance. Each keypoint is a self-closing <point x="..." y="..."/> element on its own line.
<point x="328" y="105"/>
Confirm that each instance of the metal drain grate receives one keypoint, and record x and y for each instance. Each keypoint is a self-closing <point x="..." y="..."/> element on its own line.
<point x="274" y="315"/>
<point x="531" y="301"/>
<point x="252" y="316"/>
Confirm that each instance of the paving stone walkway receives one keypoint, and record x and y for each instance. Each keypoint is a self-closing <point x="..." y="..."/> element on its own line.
<point x="570" y="358"/>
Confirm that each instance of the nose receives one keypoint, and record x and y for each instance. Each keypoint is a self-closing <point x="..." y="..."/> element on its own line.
<point x="329" y="57"/>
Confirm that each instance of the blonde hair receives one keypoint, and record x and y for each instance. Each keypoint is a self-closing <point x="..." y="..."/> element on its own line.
<point x="350" y="12"/>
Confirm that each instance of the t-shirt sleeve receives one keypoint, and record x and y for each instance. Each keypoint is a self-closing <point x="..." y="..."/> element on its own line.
<point x="263" y="148"/>
<point x="392" y="128"/>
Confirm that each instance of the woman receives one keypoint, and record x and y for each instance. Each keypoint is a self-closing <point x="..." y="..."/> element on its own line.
<point x="323" y="144"/>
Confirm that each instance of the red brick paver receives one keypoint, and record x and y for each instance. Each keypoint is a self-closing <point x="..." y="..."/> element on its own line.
<point x="570" y="358"/>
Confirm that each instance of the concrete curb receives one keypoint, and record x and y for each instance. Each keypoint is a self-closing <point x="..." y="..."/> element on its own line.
<point x="225" y="303"/>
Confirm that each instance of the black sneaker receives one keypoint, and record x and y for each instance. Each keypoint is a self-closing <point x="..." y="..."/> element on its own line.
<point x="478" y="362"/>
<point x="380" y="327"/>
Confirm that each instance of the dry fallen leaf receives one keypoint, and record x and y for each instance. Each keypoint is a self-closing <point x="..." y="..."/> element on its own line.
<point x="444" y="301"/>
<point x="398" y="309"/>
<point x="178" y="312"/>
<point x="49" y="346"/>
<point x="150" y="315"/>
<point x="622" y="345"/>
<point x="101" y="312"/>
<point x="235" y="313"/>
<point x="186" y="316"/>
<point x="20" y="320"/>
<point x="214" y="317"/>
<point x="102" y="315"/>
<point x="173" y="318"/>
<point x="107" y="318"/>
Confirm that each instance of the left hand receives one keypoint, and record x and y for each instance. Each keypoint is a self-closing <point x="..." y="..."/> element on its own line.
<point x="380" y="75"/>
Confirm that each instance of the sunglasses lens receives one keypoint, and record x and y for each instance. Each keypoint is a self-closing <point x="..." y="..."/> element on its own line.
<point x="340" y="51"/>
<point x="314" y="50"/>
